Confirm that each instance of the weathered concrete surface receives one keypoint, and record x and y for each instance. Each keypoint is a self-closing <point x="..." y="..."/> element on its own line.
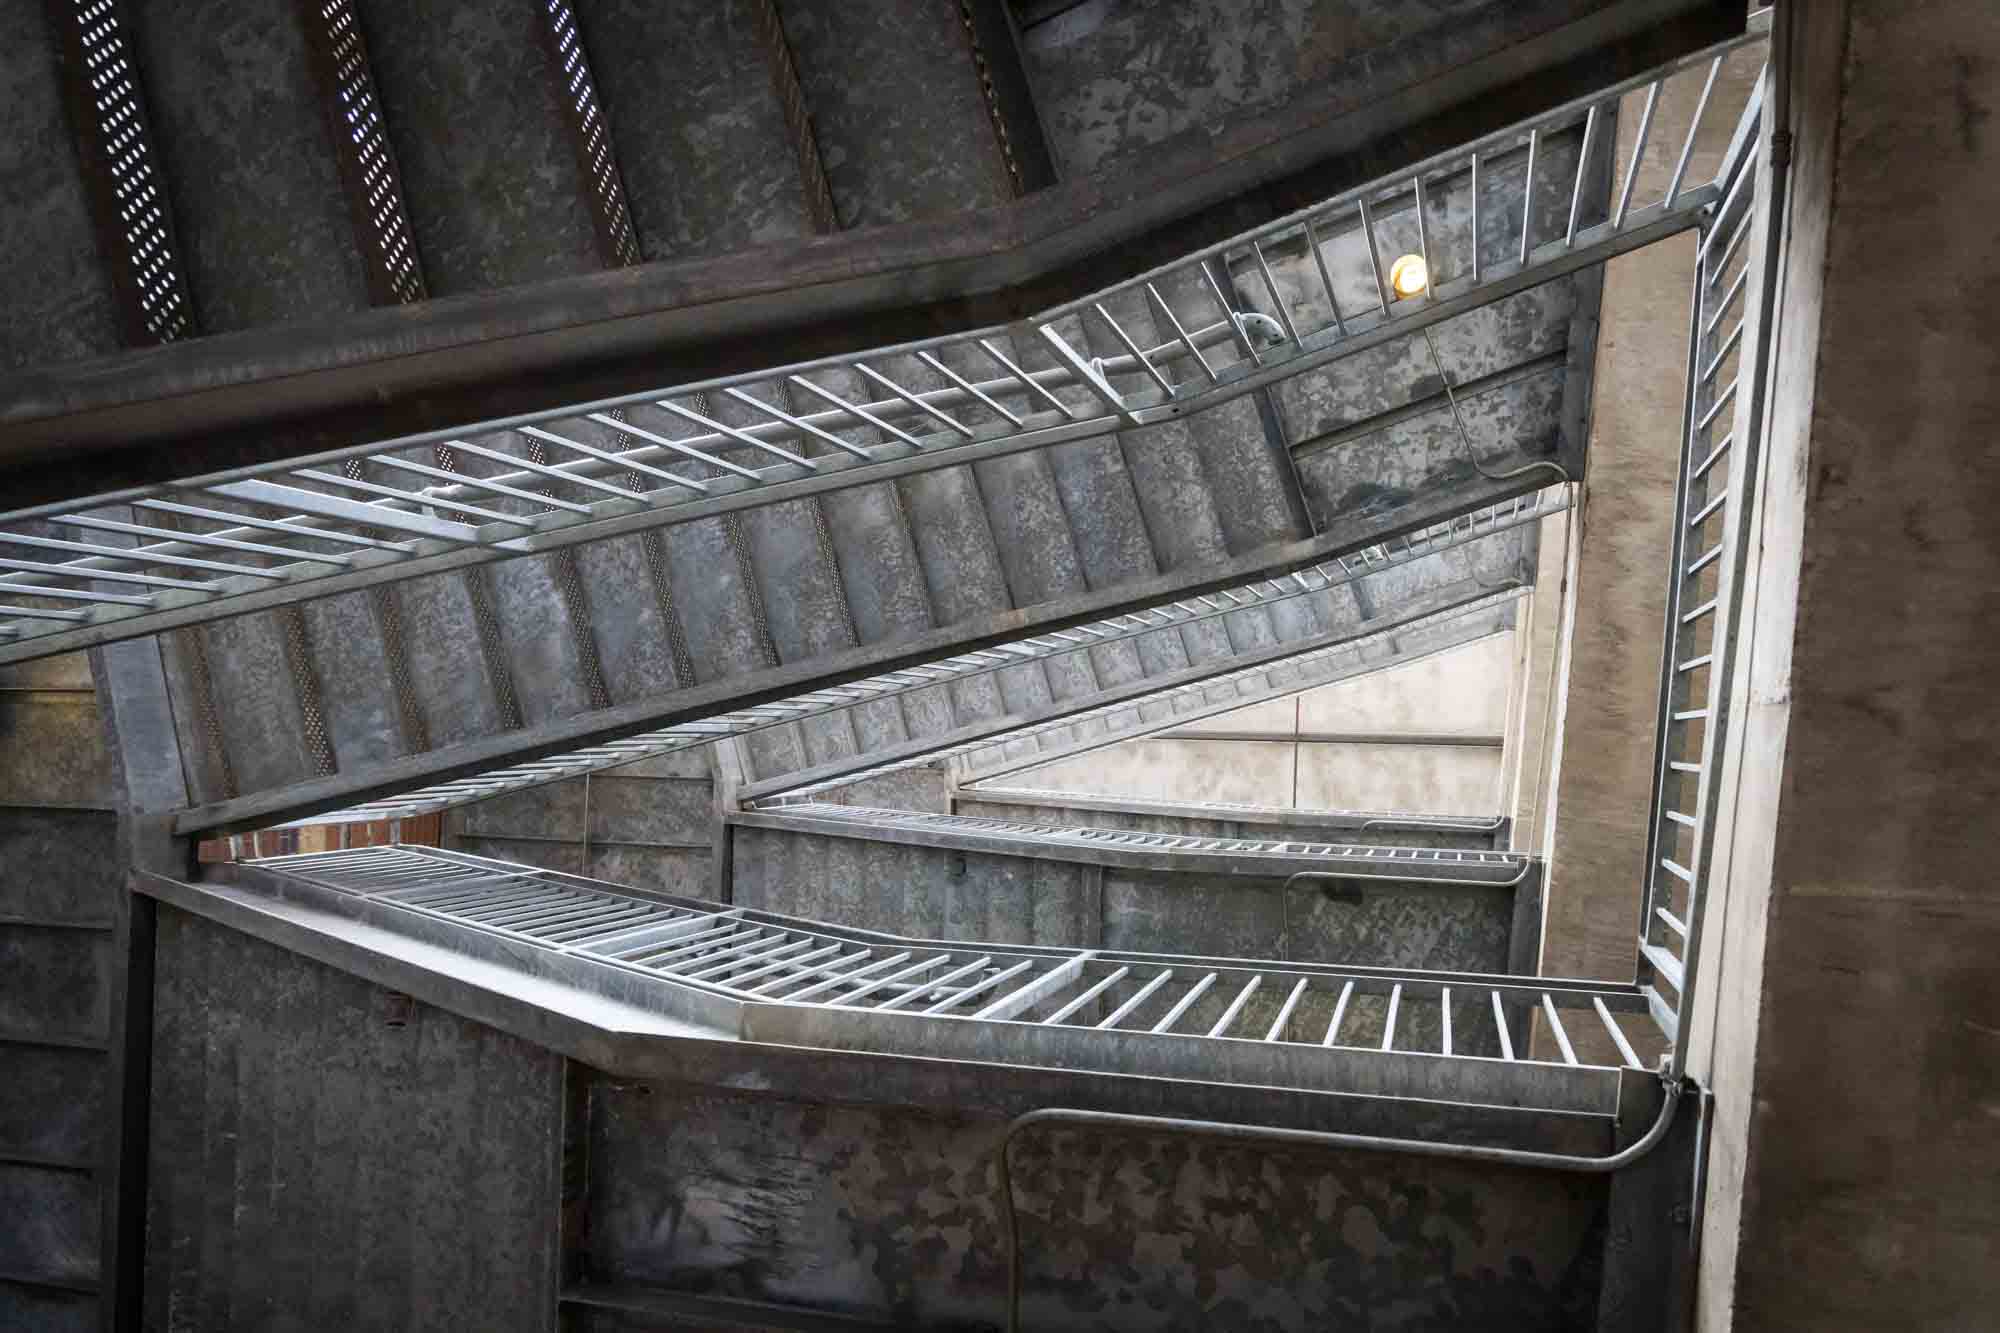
<point x="493" y="185"/>
<point x="1115" y="80"/>
<point x="650" y="825"/>
<point x="1462" y="692"/>
<point x="1854" y="1055"/>
<point x="895" y="1215"/>
<point x="59" y="303"/>
<point x="896" y="106"/>
<point x="703" y="155"/>
<point x="926" y="787"/>
<point x="264" y="231"/>
<point x="324" y="1151"/>
<point x="1538" y="709"/>
<point x="1605" y="784"/>
<point x="60" y="880"/>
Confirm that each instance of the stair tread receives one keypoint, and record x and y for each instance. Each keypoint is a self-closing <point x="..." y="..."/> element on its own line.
<point x="895" y="101"/>
<point x="1099" y="501"/>
<point x="60" y="308"/>
<point x="543" y="655"/>
<point x="492" y="182"/>
<point x="356" y="691"/>
<point x="448" y="674"/>
<point x="634" y="645"/>
<point x="263" y="229"/>
<point x="702" y="148"/>
<point x="955" y="543"/>
<point x="877" y="555"/>
<point x="256" y="701"/>
<point x="801" y="587"/>
<point x="774" y="750"/>
<point x="709" y="585"/>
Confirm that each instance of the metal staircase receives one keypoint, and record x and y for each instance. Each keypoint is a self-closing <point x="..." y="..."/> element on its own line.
<point x="768" y="978"/>
<point x="1034" y="689"/>
<point x="1711" y="538"/>
<point x="510" y="587"/>
<point x="1003" y="750"/>
<point x="1229" y="819"/>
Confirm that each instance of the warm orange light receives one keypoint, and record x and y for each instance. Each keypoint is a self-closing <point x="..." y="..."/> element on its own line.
<point x="1409" y="275"/>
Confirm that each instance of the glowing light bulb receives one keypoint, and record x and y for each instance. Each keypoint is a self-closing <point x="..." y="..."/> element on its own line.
<point x="1409" y="275"/>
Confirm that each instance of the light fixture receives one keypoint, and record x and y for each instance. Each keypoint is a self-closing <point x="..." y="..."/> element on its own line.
<point x="1409" y="275"/>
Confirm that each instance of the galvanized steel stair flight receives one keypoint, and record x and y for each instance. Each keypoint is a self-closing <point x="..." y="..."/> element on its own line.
<point x="716" y="537"/>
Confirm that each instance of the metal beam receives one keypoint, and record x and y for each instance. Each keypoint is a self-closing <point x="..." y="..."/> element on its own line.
<point x="1348" y="571"/>
<point x="980" y="737"/>
<point x="514" y="536"/>
<point x="771" y="685"/>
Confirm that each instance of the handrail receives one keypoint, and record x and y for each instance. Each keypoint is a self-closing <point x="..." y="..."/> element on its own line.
<point x="1305" y="1138"/>
<point x="472" y="519"/>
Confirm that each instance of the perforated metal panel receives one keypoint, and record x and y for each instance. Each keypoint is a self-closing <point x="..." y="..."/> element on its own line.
<point x="593" y="134"/>
<point x="139" y="224"/>
<point x="366" y="158"/>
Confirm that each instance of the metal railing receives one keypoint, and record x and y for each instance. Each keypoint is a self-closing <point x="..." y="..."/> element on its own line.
<point x="1310" y="666"/>
<point x="1240" y="811"/>
<point x="1434" y="540"/>
<point x="1346" y="860"/>
<point x="1708" y="551"/>
<point x="763" y="976"/>
<point x="1272" y="303"/>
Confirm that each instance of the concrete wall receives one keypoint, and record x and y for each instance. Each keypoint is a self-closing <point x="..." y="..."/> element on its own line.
<point x="1460" y="697"/>
<point x="1851" y="964"/>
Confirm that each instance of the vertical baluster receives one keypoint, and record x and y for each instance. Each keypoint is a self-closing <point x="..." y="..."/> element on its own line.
<point x="1638" y="154"/>
<point x="1389" y="1023"/>
<point x="1444" y="1009"/>
<point x="1339" y="1012"/>
<point x="1694" y="128"/>
<point x="1528" y="193"/>
<point x="1271" y="286"/>
<point x="1325" y="279"/>
<point x="1161" y="308"/>
<point x="1374" y="257"/>
<point x="1086" y="997"/>
<point x="1475" y="219"/>
<point x="1285" y="1011"/>
<point x="1144" y="993"/>
<point x="1617" y="1035"/>
<point x="1118" y="332"/>
<point x="1424" y="244"/>
<point x="1556" y="1026"/>
<point x="1186" y="1002"/>
<point x="1582" y="166"/>
<point x="1243" y="337"/>
<point x="1236" y="1006"/>
<point x="1500" y="1026"/>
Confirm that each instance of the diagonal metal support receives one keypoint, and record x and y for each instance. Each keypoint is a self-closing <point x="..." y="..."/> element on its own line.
<point x="1448" y="619"/>
<point x="477" y="770"/>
